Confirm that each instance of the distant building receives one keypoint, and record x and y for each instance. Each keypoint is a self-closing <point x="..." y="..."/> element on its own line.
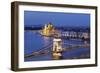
<point x="85" y="35"/>
<point x="48" y="30"/>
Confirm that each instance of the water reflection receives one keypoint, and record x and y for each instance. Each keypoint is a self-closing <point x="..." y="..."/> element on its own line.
<point x="34" y="42"/>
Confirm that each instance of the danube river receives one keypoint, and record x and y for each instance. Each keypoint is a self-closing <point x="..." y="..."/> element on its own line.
<point x="33" y="41"/>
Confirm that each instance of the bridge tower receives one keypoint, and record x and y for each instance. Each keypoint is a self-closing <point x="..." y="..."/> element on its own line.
<point x="57" y="48"/>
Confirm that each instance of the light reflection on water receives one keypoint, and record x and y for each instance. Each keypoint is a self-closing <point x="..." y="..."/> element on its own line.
<point x="34" y="41"/>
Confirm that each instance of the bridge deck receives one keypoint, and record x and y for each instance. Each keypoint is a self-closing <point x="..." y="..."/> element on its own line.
<point x="48" y="49"/>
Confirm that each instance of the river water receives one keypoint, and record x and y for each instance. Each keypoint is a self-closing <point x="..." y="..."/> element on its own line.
<point x="33" y="41"/>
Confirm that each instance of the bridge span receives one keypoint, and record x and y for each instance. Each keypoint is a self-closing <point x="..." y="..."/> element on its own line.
<point x="48" y="50"/>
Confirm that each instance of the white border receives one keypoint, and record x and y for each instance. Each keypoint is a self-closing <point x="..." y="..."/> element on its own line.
<point x="34" y="64"/>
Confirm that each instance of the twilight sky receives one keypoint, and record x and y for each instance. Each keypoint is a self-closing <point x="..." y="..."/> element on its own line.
<point x="57" y="18"/>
